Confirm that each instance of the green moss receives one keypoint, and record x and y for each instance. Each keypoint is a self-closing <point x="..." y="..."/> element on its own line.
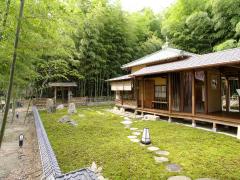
<point x="103" y="139"/>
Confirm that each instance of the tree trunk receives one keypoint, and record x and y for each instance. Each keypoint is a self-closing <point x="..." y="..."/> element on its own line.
<point x="13" y="108"/>
<point x="5" y="116"/>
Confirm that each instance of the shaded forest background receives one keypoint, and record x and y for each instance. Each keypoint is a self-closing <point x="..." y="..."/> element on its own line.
<point x="87" y="41"/>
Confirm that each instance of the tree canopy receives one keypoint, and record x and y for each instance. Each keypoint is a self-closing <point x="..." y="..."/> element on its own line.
<point x="87" y="41"/>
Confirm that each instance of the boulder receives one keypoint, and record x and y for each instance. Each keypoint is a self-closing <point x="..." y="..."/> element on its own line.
<point x="150" y="117"/>
<point x="59" y="107"/>
<point x="50" y="106"/>
<point x="72" y="108"/>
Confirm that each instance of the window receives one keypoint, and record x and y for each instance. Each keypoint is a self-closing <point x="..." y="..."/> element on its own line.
<point x="160" y="92"/>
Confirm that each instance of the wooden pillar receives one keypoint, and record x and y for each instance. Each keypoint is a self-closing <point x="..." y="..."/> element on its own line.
<point x="239" y="94"/>
<point x="69" y="98"/>
<point x="227" y="95"/>
<point x="169" y="97"/>
<point x="206" y="91"/>
<point x="169" y="93"/>
<point x="238" y="132"/>
<point x="62" y="95"/>
<point x="135" y="88"/>
<point x="142" y="98"/>
<point x="55" y="95"/>
<point x="193" y="94"/>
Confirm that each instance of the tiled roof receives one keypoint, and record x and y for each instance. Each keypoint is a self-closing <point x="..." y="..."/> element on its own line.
<point x="160" y="56"/>
<point x="125" y="77"/>
<point x="82" y="174"/>
<point x="207" y="60"/>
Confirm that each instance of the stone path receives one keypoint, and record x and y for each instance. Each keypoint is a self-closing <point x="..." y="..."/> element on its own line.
<point x="160" y="155"/>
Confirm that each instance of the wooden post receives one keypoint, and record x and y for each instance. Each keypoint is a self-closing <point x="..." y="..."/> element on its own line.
<point x="238" y="132"/>
<point x="68" y="94"/>
<point x="169" y="93"/>
<point x="169" y="97"/>
<point x="55" y="95"/>
<point x="214" y="127"/>
<point x="62" y="95"/>
<point x="193" y="94"/>
<point x="227" y="95"/>
<point x="239" y="94"/>
<point x="206" y="92"/>
<point x="143" y="86"/>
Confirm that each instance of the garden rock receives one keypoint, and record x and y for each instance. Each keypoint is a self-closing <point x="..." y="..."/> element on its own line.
<point x="50" y="106"/>
<point x="60" y="107"/>
<point x="164" y="153"/>
<point x="122" y="110"/>
<point x="94" y="167"/>
<point x="115" y="108"/>
<point x="179" y="178"/>
<point x="72" y="108"/>
<point x="160" y="159"/>
<point x="152" y="148"/>
<point x="64" y="119"/>
<point x="136" y="133"/>
<point x="135" y="140"/>
<point x="150" y="117"/>
<point x="173" y="168"/>
<point x="126" y="122"/>
<point x="132" y="137"/>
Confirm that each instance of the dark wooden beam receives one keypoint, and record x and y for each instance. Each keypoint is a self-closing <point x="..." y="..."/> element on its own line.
<point x="227" y="95"/>
<point x="169" y="93"/>
<point x="193" y="94"/>
<point x="206" y="91"/>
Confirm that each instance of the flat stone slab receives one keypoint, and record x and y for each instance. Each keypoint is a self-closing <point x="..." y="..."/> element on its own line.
<point x="135" y="140"/>
<point x="204" y="179"/>
<point x="163" y="153"/>
<point x="136" y="133"/>
<point x="153" y="148"/>
<point x="126" y="122"/>
<point x="139" y="130"/>
<point x="133" y="129"/>
<point x="160" y="159"/>
<point x="132" y="137"/>
<point x="173" y="168"/>
<point x="179" y="178"/>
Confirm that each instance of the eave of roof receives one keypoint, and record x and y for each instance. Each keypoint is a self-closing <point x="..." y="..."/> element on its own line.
<point x="207" y="60"/>
<point x="62" y="84"/>
<point x="121" y="78"/>
<point x="159" y="56"/>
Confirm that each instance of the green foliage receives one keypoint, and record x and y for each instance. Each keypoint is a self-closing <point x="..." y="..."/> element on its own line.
<point x="87" y="41"/>
<point x="231" y="43"/>
<point x="100" y="137"/>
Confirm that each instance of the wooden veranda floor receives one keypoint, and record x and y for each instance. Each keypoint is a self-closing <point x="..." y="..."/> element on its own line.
<point x="225" y="118"/>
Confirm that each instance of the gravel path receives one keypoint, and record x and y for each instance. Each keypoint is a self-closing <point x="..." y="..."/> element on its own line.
<point x="20" y="163"/>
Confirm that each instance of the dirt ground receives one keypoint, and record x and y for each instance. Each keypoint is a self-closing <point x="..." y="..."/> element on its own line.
<point x="20" y="163"/>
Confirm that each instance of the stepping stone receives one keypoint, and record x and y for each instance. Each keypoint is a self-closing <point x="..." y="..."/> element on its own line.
<point x="204" y="179"/>
<point x="139" y="130"/>
<point x="179" y="178"/>
<point x="133" y="129"/>
<point x="126" y="122"/>
<point x="127" y="119"/>
<point x="136" y="133"/>
<point x="132" y="137"/>
<point x="135" y="140"/>
<point x="160" y="159"/>
<point x="173" y="168"/>
<point x="152" y="148"/>
<point x="163" y="153"/>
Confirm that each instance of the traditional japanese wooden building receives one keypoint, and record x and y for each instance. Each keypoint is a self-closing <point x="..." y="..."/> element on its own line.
<point x="178" y="84"/>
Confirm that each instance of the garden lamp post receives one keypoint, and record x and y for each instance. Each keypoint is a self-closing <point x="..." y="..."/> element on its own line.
<point x="146" y="137"/>
<point x="21" y="138"/>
